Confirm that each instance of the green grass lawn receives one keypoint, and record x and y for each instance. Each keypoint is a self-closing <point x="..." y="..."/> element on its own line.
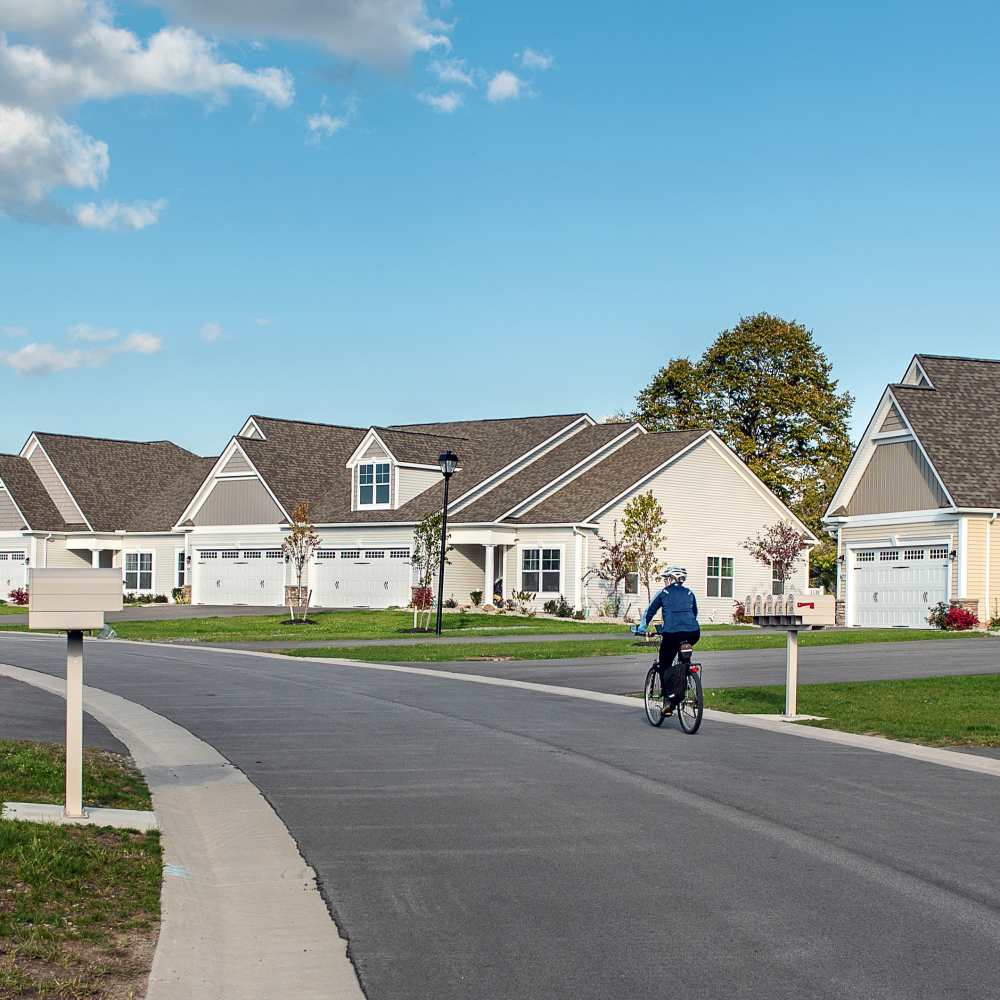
<point x="940" y="711"/>
<point x="12" y="609"/>
<point x="361" y="625"/>
<point x="79" y="906"/>
<point x="570" y="649"/>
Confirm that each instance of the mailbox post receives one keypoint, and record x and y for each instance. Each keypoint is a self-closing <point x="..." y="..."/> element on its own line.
<point x="73" y="600"/>
<point x="791" y="614"/>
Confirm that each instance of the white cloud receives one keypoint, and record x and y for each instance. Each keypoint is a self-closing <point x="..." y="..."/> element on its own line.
<point x="505" y="86"/>
<point x="323" y="125"/>
<point x="533" y="59"/>
<point x="69" y="52"/>
<point x="92" y="334"/>
<point x="14" y="331"/>
<point x="47" y="359"/>
<point x="116" y="215"/>
<point x="383" y="32"/>
<point x="103" y="62"/>
<point x="39" y="153"/>
<point x="452" y="71"/>
<point x="141" y="343"/>
<point x="262" y="321"/>
<point x="210" y="332"/>
<point x="444" y="104"/>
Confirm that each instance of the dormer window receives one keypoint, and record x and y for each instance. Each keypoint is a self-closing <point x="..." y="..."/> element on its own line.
<point x="373" y="484"/>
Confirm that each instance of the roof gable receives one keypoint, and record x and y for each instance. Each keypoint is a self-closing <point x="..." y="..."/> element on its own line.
<point x="126" y="485"/>
<point x="957" y="422"/>
<point x="30" y="496"/>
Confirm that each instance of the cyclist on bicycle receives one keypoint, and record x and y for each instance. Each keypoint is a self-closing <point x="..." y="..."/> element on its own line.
<point x="680" y="624"/>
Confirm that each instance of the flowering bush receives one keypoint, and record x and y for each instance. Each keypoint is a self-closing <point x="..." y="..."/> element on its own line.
<point x="951" y="618"/>
<point x="19" y="596"/>
<point x="739" y="613"/>
<point x="423" y="597"/>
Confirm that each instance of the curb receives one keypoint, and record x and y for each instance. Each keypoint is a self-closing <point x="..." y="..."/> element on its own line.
<point x="242" y="917"/>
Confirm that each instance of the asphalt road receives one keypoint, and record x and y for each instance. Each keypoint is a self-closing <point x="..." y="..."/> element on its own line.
<point x="479" y="841"/>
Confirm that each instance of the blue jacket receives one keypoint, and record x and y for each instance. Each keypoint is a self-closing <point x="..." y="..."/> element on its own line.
<point x="680" y="609"/>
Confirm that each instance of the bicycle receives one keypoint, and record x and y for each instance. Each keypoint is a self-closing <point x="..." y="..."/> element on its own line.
<point x="691" y="708"/>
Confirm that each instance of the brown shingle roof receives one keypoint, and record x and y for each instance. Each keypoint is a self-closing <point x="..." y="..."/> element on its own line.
<point x="29" y="494"/>
<point x="958" y="424"/>
<point x="126" y="485"/>
<point x="303" y="461"/>
<point x="582" y="497"/>
<point x="540" y="473"/>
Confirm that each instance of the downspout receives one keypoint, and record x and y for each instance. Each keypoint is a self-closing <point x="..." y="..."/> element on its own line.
<point x="988" y="611"/>
<point x="578" y="542"/>
<point x="45" y="550"/>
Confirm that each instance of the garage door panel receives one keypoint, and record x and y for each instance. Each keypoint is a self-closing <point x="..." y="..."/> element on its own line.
<point x="361" y="578"/>
<point x="254" y="577"/>
<point x="896" y="587"/>
<point x="13" y="570"/>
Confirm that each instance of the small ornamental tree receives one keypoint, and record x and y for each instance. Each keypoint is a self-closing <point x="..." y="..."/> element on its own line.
<point x="780" y="546"/>
<point x="298" y="547"/>
<point x="425" y="560"/>
<point x="643" y="521"/>
<point x="614" y="565"/>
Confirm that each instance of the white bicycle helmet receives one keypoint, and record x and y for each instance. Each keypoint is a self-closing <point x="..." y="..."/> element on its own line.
<point x="678" y="573"/>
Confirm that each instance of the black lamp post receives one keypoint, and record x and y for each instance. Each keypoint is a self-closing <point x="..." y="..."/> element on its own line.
<point x="448" y="461"/>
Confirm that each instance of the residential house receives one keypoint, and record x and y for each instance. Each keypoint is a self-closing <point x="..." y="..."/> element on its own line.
<point x="915" y="515"/>
<point x="529" y="505"/>
<point x="73" y="501"/>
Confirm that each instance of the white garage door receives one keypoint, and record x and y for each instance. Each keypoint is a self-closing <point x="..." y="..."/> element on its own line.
<point x="361" y="578"/>
<point x="241" y="576"/>
<point x="13" y="571"/>
<point x="897" y="586"/>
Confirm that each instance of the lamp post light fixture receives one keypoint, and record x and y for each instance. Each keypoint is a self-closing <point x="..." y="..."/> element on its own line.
<point x="448" y="462"/>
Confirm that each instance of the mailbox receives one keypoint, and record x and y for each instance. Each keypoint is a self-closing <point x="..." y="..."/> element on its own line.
<point x="792" y="610"/>
<point x="72" y="599"/>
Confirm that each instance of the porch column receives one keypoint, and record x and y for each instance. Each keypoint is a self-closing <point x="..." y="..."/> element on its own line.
<point x="95" y="558"/>
<point x="578" y="570"/>
<point x="489" y="574"/>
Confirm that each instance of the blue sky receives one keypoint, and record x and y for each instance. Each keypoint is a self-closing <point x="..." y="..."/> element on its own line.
<point x="644" y="175"/>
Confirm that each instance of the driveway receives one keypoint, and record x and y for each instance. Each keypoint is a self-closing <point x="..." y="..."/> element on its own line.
<point x="503" y="844"/>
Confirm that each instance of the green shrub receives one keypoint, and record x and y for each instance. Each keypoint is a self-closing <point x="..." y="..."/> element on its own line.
<point x="477" y="597"/>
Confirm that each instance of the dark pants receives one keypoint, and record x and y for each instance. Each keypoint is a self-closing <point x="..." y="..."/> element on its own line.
<point x="673" y="679"/>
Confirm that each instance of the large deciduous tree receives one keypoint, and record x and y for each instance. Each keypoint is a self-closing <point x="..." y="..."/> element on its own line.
<point x="767" y="389"/>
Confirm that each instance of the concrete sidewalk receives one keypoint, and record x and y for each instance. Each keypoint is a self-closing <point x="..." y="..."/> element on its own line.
<point x="242" y="917"/>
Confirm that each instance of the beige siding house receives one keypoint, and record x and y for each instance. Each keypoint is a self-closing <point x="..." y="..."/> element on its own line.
<point x="69" y="501"/>
<point x="529" y="504"/>
<point x="915" y="516"/>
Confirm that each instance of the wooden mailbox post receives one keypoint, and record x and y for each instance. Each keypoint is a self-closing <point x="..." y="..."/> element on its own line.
<point x="791" y="613"/>
<point x="72" y="600"/>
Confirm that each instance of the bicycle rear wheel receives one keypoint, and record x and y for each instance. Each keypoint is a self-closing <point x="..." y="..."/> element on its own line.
<point x="692" y="708"/>
<point x="653" y="697"/>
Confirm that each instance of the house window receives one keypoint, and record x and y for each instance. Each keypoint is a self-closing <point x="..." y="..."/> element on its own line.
<point x="399" y="553"/>
<point x="375" y="553"/>
<point x="888" y="555"/>
<point x="253" y="554"/>
<point x="866" y="556"/>
<point x="208" y="554"/>
<point x="913" y="554"/>
<point x="274" y="554"/>
<point x="326" y="554"/>
<point x="939" y="552"/>
<point x="181" y="565"/>
<point x="373" y="484"/>
<point x="631" y="584"/>
<point x="719" y="577"/>
<point x="350" y="554"/>
<point x="777" y="584"/>
<point x="541" y="571"/>
<point x="230" y="553"/>
<point x="139" y="571"/>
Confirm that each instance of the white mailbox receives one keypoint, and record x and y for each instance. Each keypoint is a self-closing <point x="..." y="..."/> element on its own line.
<point x="72" y="599"/>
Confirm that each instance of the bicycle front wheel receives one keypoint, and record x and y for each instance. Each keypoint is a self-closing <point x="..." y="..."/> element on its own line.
<point x="653" y="697"/>
<point x="692" y="708"/>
